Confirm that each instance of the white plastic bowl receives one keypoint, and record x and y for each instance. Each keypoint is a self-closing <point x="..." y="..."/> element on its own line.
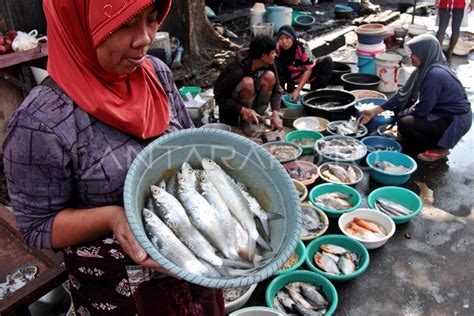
<point x="239" y="302"/>
<point x="372" y="215"/>
<point x="257" y="311"/>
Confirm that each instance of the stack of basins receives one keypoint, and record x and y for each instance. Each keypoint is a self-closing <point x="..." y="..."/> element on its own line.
<point x="370" y="37"/>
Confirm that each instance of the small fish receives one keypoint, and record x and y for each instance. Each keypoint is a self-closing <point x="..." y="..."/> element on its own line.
<point x="345" y="264"/>
<point x="395" y="207"/>
<point x="326" y="263"/>
<point x="170" y="246"/>
<point x="390" y="167"/>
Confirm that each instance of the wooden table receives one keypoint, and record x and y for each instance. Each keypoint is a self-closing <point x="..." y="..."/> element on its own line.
<point x="14" y="254"/>
<point x="20" y="59"/>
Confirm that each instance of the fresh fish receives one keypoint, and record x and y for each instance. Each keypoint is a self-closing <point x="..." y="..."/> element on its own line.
<point x="189" y="175"/>
<point x="295" y="294"/>
<point x="339" y="172"/>
<point x="326" y="263"/>
<point x="328" y="175"/>
<point x="334" y="200"/>
<point x="390" y="205"/>
<point x="310" y="292"/>
<point x="332" y="256"/>
<point x="311" y="221"/>
<point x="390" y="167"/>
<point x="367" y="225"/>
<point x="334" y="249"/>
<point x="365" y="234"/>
<point x="170" y="246"/>
<point x="203" y="216"/>
<point x="210" y="193"/>
<point x="234" y="200"/>
<point x="278" y="306"/>
<point x="285" y="300"/>
<point x="345" y="264"/>
<point x="256" y="209"/>
<point x="173" y="214"/>
<point x="303" y="310"/>
<point x="351" y="174"/>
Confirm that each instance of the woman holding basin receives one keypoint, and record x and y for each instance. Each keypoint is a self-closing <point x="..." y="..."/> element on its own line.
<point x="69" y="146"/>
<point x="433" y="110"/>
<point x="297" y="65"/>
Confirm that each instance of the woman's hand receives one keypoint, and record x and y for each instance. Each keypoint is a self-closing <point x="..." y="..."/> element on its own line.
<point x="129" y="243"/>
<point x="296" y="95"/>
<point x="276" y="119"/>
<point x="368" y="115"/>
<point x="249" y="115"/>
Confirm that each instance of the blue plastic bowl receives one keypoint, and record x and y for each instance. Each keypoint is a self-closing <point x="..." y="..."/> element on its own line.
<point x="300" y="251"/>
<point x="303" y="276"/>
<point x="378" y="143"/>
<point x="390" y="178"/>
<point x="342" y="241"/>
<point x="378" y="120"/>
<point x="244" y="161"/>
<point x="370" y="39"/>
<point x="398" y="195"/>
<point x="288" y="101"/>
<point x="321" y="189"/>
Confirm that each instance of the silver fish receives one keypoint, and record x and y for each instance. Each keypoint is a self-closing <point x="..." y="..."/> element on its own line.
<point x="255" y="207"/>
<point x="334" y="200"/>
<point x="390" y="167"/>
<point x="203" y="216"/>
<point x="210" y="193"/>
<point x="234" y="200"/>
<point x="170" y="246"/>
<point x="174" y="216"/>
<point x="285" y="300"/>
<point x="326" y="263"/>
<point x="339" y="172"/>
<point x="171" y="185"/>
<point x="295" y="294"/>
<point x="345" y="264"/>
<point x="313" y="295"/>
<point x="390" y="205"/>
<point x="188" y="173"/>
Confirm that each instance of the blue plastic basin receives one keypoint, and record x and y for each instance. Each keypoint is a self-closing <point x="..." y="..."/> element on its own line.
<point x="378" y="120"/>
<point x="244" y="161"/>
<point x="396" y="158"/>
<point x="378" y="143"/>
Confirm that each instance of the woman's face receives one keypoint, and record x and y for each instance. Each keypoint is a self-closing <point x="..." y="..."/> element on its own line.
<point x="415" y="61"/>
<point x="124" y="50"/>
<point x="285" y="41"/>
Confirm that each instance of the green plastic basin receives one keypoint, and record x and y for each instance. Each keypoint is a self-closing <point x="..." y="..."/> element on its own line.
<point x="321" y="189"/>
<point x="307" y="149"/>
<point x="342" y="241"/>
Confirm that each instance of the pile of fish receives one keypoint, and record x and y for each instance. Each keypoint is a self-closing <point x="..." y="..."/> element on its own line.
<point x="301" y="298"/>
<point x="390" y="167"/>
<point x="283" y="152"/>
<point x="342" y="148"/>
<point x="207" y="223"/>
<point x="391" y="208"/>
<point x="301" y="173"/>
<point x="337" y="260"/>
<point x="312" y="223"/>
<point x="334" y="201"/>
<point x="365" y="229"/>
<point x="351" y="127"/>
<point x="340" y="174"/>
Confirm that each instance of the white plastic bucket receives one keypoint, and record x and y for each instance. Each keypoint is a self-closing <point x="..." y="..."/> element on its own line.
<point x="162" y="40"/>
<point x="256" y="17"/>
<point x="387" y="66"/>
<point x="370" y="50"/>
<point x="263" y="29"/>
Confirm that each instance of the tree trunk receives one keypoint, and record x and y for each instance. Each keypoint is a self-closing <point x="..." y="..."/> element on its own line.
<point x="188" y="22"/>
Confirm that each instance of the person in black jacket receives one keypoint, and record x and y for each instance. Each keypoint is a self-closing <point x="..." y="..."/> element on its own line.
<point x="248" y="84"/>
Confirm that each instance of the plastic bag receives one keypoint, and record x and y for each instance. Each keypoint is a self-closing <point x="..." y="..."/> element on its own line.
<point x="24" y="41"/>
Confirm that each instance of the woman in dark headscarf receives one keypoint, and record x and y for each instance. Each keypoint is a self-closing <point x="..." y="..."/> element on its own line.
<point x="297" y="65"/>
<point x="69" y="146"/>
<point x="433" y="109"/>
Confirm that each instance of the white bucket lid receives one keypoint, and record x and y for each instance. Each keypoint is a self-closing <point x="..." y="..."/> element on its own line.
<point x="258" y="7"/>
<point x="389" y="57"/>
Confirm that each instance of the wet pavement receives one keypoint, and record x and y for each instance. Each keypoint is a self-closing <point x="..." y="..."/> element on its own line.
<point x="426" y="267"/>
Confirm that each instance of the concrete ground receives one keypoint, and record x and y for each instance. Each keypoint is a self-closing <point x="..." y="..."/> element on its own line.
<point x="426" y="268"/>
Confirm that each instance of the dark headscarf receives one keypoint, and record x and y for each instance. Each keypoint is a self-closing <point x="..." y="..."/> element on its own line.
<point x="287" y="56"/>
<point x="428" y="50"/>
